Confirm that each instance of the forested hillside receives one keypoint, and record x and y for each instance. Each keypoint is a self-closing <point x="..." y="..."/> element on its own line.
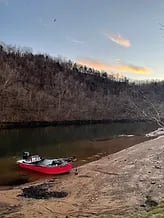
<point x="41" y="88"/>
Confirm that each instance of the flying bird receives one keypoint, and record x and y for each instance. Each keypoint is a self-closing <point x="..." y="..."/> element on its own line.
<point x="161" y="26"/>
<point x="55" y="20"/>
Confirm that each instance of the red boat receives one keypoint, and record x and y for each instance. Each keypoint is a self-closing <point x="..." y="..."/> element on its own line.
<point x="46" y="166"/>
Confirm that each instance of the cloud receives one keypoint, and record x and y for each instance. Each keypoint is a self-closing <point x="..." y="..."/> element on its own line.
<point x="116" y="68"/>
<point x="118" y="39"/>
<point x="75" y="41"/>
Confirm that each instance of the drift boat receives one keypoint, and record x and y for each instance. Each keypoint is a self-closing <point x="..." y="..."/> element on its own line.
<point x="46" y="166"/>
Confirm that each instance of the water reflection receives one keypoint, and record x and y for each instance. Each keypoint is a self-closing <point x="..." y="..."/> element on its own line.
<point x="13" y="142"/>
<point x="87" y="142"/>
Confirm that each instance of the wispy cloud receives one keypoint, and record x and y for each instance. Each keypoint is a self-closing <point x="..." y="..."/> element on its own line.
<point x="117" y="38"/>
<point x="116" y="68"/>
<point x="75" y="41"/>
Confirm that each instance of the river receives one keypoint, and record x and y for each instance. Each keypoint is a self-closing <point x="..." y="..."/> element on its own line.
<point x="86" y="142"/>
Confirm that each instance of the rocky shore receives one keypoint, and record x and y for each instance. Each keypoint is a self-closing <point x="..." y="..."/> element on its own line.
<point x="126" y="182"/>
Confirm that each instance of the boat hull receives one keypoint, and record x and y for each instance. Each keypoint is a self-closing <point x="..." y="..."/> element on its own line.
<point x="46" y="169"/>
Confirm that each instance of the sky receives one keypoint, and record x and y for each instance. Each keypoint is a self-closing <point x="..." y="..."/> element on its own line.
<point x="122" y="37"/>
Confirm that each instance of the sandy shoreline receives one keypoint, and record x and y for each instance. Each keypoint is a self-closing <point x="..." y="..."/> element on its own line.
<point x="116" y="184"/>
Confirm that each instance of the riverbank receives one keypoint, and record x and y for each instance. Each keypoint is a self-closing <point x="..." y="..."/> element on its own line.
<point x="35" y="124"/>
<point x="120" y="183"/>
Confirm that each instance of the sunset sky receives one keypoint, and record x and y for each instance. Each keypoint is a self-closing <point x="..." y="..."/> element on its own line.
<point x="117" y="36"/>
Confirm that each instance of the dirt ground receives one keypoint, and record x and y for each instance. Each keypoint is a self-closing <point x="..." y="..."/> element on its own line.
<point x="116" y="184"/>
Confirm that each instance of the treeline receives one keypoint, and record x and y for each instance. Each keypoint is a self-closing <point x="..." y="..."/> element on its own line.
<point x="46" y="89"/>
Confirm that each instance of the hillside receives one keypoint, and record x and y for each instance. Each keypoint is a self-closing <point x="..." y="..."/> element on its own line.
<point x="39" y="88"/>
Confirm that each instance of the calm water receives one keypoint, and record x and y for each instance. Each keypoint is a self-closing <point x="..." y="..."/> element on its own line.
<point x="86" y="142"/>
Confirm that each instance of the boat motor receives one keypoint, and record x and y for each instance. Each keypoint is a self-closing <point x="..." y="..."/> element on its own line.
<point x="26" y="155"/>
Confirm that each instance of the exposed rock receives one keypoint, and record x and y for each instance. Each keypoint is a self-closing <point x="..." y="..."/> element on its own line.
<point x="158" y="132"/>
<point x="150" y="202"/>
